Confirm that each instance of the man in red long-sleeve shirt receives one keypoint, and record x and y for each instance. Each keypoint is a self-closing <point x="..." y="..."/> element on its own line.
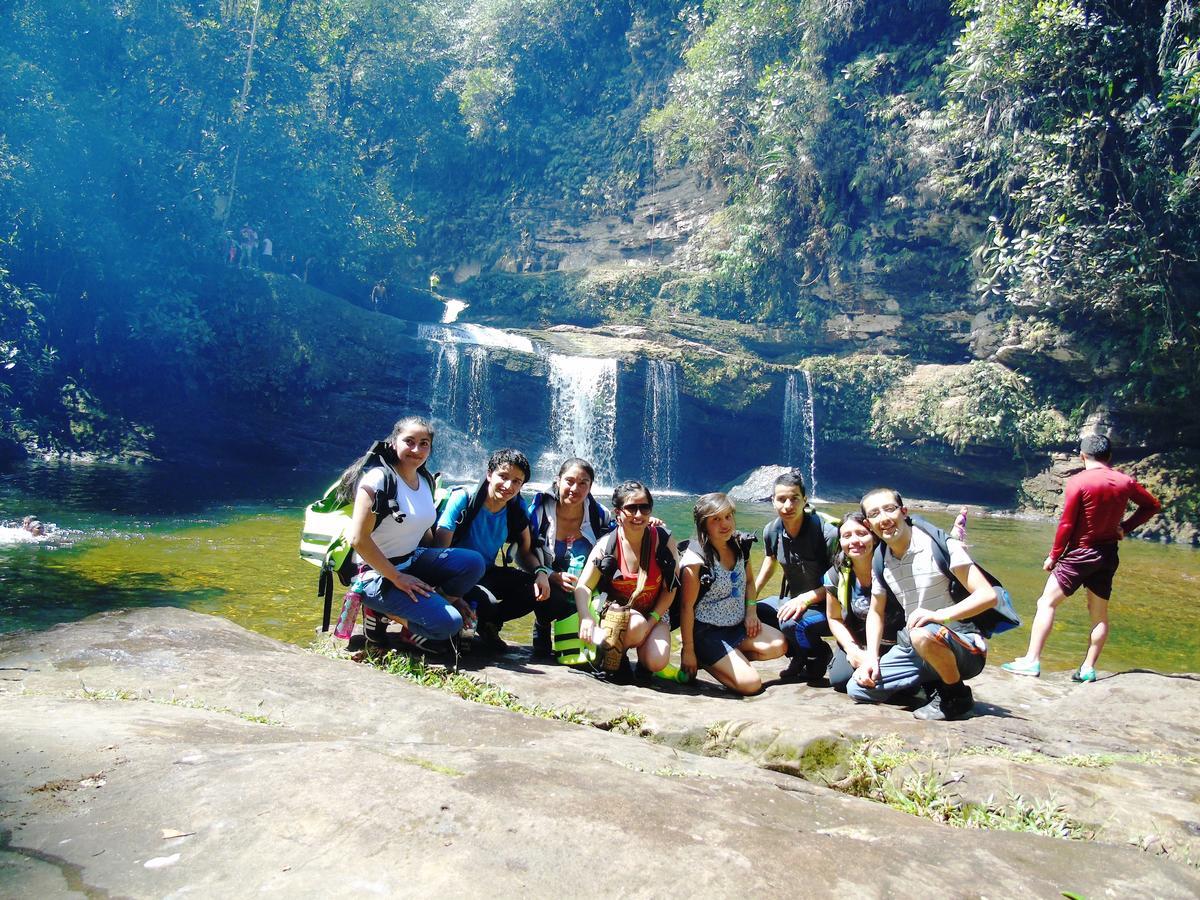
<point x="1085" y="551"/>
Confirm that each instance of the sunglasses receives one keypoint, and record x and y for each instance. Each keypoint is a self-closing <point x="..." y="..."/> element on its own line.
<point x="635" y="508"/>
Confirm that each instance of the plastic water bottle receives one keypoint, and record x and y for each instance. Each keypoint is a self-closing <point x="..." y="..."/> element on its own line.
<point x="351" y="604"/>
<point x="577" y="564"/>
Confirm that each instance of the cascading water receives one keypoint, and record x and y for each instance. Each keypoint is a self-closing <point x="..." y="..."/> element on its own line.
<point x="470" y="333"/>
<point x="583" y="411"/>
<point x="799" y="428"/>
<point x="443" y="405"/>
<point x="453" y="310"/>
<point x="478" y="391"/>
<point x="810" y="420"/>
<point x="460" y="405"/>
<point x="661" y="418"/>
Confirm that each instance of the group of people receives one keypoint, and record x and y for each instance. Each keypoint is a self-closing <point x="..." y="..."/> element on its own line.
<point x="900" y="599"/>
<point x="247" y="250"/>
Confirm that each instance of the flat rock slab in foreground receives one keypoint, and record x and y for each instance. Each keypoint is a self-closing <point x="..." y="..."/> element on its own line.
<point x="165" y="753"/>
<point x="1120" y="756"/>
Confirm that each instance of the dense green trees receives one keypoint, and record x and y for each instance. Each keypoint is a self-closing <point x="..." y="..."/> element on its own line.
<point x="1074" y="125"/>
<point x="1047" y="146"/>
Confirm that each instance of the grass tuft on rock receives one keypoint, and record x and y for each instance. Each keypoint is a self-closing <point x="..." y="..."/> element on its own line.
<point x="884" y="770"/>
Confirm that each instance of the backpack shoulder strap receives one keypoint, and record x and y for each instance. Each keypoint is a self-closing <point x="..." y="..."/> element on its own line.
<point x="595" y="516"/>
<point x="666" y="559"/>
<point x="606" y="562"/>
<point x="463" y="524"/>
<point x="877" y="569"/>
<point x="771" y="536"/>
<point x="941" y="556"/>
<point x="385" y="501"/>
<point x="516" y="518"/>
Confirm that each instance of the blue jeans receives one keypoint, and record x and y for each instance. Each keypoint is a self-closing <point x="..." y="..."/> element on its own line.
<point x="803" y="634"/>
<point x="453" y="570"/>
<point x="901" y="668"/>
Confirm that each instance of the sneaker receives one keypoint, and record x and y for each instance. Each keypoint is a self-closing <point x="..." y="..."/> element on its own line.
<point x="795" y="670"/>
<point x="487" y="637"/>
<point x="1022" y="666"/>
<point x="1083" y="676"/>
<point x="408" y="640"/>
<point x="944" y="708"/>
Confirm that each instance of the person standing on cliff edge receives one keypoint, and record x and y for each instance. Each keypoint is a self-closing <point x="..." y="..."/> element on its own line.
<point x="1085" y="551"/>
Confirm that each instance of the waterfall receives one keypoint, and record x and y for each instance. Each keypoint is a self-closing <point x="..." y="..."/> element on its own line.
<point x="461" y="403"/>
<point x="443" y="405"/>
<point x="661" y="421"/>
<point x="799" y="427"/>
<point x="479" y="392"/>
<point x="452" y="311"/>
<point x="470" y="333"/>
<point x="583" y="411"/>
<point x="810" y="421"/>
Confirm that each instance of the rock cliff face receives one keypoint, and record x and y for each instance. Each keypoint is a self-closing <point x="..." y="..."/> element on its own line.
<point x="162" y="752"/>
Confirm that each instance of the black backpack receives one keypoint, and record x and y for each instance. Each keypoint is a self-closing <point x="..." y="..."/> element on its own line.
<point x="607" y="562"/>
<point x="1000" y="618"/>
<point x="516" y="518"/>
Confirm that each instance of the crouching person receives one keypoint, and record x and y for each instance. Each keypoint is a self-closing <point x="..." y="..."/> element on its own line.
<point x="719" y="623"/>
<point x="940" y="588"/>
<point x="484" y="520"/>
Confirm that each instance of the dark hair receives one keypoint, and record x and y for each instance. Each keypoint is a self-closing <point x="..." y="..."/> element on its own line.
<point x="508" y="457"/>
<point x="1096" y="446"/>
<point x="707" y="506"/>
<point x="791" y="478"/>
<point x="349" y="480"/>
<point x="573" y="463"/>
<point x="840" y="560"/>
<point x="899" y="501"/>
<point x="627" y="489"/>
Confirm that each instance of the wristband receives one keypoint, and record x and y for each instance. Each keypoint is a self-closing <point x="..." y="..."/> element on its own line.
<point x="750" y="604"/>
<point x="543" y="570"/>
<point x="656" y="616"/>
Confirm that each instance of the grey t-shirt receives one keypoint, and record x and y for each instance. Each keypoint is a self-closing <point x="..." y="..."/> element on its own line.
<point x="915" y="578"/>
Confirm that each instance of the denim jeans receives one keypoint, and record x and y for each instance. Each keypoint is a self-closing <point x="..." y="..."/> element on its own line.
<point x="803" y="634"/>
<point x="453" y="571"/>
<point x="901" y="668"/>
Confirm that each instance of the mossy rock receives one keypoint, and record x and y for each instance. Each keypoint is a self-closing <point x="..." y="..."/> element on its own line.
<point x="1174" y="478"/>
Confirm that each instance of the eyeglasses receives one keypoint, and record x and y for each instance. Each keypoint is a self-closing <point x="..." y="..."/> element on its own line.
<point x="889" y="509"/>
<point x="637" y="508"/>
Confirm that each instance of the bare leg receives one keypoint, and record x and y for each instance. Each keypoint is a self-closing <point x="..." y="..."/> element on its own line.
<point x="1098" y="609"/>
<point x="937" y="654"/>
<point x="1043" y="621"/>
<point x="655" y="651"/>
<point x="735" y="673"/>
<point x="770" y="644"/>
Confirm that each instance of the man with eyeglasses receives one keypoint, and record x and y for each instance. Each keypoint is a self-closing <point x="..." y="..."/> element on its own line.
<point x="937" y="649"/>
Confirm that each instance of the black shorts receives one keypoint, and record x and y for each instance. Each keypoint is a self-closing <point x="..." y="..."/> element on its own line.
<point x="715" y="642"/>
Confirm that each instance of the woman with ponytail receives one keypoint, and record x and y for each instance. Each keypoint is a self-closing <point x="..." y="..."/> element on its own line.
<point x="404" y="578"/>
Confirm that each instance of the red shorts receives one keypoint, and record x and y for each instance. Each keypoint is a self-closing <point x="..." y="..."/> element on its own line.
<point x="1089" y="567"/>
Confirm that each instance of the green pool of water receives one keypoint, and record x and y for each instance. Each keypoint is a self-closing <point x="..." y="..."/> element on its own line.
<point x="239" y="560"/>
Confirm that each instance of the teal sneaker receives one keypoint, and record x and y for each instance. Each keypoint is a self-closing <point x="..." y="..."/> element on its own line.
<point x="1083" y="676"/>
<point x="1021" y="666"/>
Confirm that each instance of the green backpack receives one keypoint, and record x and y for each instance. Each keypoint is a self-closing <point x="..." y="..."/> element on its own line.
<point x="324" y="541"/>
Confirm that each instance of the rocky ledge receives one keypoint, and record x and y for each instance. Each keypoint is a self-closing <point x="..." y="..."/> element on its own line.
<point x="161" y="752"/>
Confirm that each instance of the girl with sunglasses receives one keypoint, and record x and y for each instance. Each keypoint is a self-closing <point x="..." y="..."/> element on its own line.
<point x="635" y="566"/>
